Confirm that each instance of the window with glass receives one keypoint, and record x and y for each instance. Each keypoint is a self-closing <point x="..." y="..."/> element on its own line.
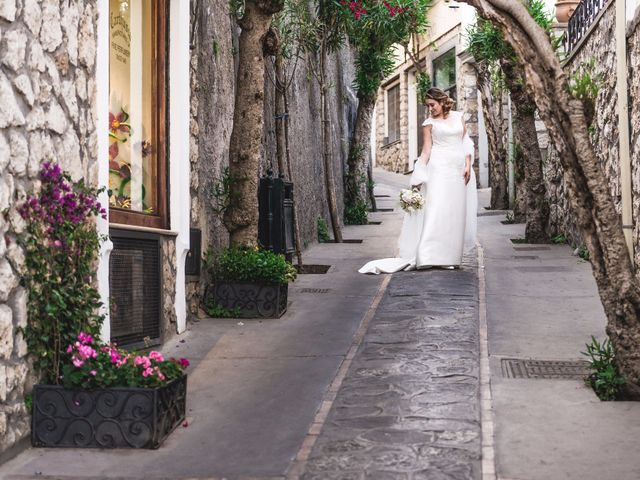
<point x="137" y="149"/>
<point x="444" y="73"/>
<point x="393" y="114"/>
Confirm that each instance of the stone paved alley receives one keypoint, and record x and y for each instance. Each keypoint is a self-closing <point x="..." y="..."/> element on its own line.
<point x="378" y="377"/>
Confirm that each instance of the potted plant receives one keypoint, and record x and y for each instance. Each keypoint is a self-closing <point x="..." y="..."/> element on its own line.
<point x="564" y="9"/>
<point x="90" y="394"/>
<point x="250" y="281"/>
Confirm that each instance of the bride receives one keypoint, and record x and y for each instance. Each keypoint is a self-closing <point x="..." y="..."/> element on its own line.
<point x="437" y="235"/>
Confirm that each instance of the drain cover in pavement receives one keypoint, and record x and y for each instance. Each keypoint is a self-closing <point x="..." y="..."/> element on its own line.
<point x="526" y="257"/>
<point x="542" y="269"/>
<point x="315" y="290"/>
<point x="544" y="369"/>
<point x="530" y="249"/>
<point x="490" y="214"/>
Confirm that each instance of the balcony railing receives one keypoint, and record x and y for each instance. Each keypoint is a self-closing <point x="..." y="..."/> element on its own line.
<point x="581" y="20"/>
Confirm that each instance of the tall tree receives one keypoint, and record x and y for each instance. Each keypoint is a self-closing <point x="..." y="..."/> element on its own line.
<point x="492" y="113"/>
<point x="488" y="45"/>
<point x="373" y="28"/>
<point x="245" y="151"/>
<point x="591" y="202"/>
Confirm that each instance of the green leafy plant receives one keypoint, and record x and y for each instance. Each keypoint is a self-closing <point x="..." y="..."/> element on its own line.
<point x="582" y="252"/>
<point x="218" y="311"/>
<point x="584" y="85"/>
<point x="423" y="84"/>
<point x="509" y="219"/>
<point x="223" y="192"/>
<point x="604" y="379"/>
<point x="323" y="230"/>
<point x="356" y="214"/>
<point x="90" y="365"/>
<point x="61" y="246"/>
<point x="559" y="239"/>
<point x="251" y="264"/>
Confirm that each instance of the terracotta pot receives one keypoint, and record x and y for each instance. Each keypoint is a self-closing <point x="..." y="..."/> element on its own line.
<point x="564" y="9"/>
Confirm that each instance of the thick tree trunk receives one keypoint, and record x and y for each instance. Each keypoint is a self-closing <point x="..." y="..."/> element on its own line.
<point x="592" y="204"/>
<point x="245" y="150"/>
<point x="529" y="160"/>
<point x="498" y="177"/>
<point x="326" y="148"/>
<point x="359" y="153"/>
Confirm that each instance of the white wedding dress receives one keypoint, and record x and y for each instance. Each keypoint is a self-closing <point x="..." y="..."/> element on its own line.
<point x="437" y="235"/>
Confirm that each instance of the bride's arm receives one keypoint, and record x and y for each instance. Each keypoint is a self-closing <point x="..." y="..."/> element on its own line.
<point x="425" y="155"/>
<point x="466" y="173"/>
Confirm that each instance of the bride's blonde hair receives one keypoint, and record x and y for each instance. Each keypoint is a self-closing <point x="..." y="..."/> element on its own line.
<point x="441" y="97"/>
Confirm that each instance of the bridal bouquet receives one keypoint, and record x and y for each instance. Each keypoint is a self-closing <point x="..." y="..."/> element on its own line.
<point x="411" y="200"/>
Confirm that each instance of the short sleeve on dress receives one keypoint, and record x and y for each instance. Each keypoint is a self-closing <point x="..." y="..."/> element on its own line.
<point x="428" y="121"/>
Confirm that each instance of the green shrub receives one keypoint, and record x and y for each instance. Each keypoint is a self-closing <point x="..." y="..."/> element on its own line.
<point x="218" y="311"/>
<point x="323" y="230"/>
<point x="604" y="379"/>
<point x="559" y="239"/>
<point x="356" y="214"/>
<point x="250" y="264"/>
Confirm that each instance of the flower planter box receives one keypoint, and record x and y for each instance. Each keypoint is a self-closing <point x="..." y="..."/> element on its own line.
<point x="109" y="418"/>
<point x="253" y="300"/>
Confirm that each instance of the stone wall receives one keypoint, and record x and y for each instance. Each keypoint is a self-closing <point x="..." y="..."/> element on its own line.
<point x="633" y="45"/>
<point x="47" y="112"/>
<point x="597" y="48"/>
<point x="213" y="66"/>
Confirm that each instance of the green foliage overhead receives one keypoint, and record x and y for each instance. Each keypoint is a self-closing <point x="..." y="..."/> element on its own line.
<point x="373" y="29"/>
<point x="248" y="264"/>
<point x="486" y="42"/>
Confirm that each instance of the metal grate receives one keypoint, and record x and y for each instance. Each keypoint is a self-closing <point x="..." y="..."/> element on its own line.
<point x="544" y="369"/>
<point x="526" y="257"/>
<point x="315" y="290"/>
<point x="541" y="269"/>
<point x="530" y="249"/>
<point x="135" y="287"/>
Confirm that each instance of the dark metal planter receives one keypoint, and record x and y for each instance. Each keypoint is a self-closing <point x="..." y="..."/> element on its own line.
<point x="254" y="301"/>
<point x="108" y="418"/>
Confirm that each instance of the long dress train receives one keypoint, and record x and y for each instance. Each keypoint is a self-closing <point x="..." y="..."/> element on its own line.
<point x="437" y="234"/>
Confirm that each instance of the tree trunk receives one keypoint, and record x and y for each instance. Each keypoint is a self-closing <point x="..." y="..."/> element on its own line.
<point x="245" y="150"/>
<point x="281" y="113"/>
<point x="282" y="132"/>
<point x="326" y="147"/>
<point x="587" y="186"/>
<point x="529" y="160"/>
<point x="498" y="178"/>
<point x="359" y="153"/>
<point x="370" y="187"/>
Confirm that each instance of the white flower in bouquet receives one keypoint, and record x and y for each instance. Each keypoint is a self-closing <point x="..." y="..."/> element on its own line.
<point x="411" y="200"/>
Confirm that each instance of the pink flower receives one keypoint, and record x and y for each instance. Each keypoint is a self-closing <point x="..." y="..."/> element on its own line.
<point x="85" y="338"/>
<point x="93" y="372"/>
<point x="157" y="356"/>
<point x="147" y="372"/>
<point x="77" y="362"/>
<point x="144" y="361"/>
<point x="159" y="373"/>
<point x="86" y="351"/>
<point x="184" y="363"/>
<point x="69" y="349"/>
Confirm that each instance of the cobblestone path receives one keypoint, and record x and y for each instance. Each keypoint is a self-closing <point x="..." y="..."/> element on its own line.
<point x="408" y="407"/>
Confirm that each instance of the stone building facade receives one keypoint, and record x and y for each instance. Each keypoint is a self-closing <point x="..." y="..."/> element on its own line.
<point x="213" y="64"/>
<point x="597" y="48"/>
<point x="47" y="113"/>
<point x="441" y="53"/>
<point x="58" y="99"/>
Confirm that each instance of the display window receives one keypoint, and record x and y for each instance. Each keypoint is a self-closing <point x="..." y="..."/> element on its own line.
<point x="137" y="112"/>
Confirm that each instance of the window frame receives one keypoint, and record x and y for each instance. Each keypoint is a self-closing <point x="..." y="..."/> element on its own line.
<point x="396" y="114"/>
<point x="451" y="89"/>
<point x="159" y="85"/>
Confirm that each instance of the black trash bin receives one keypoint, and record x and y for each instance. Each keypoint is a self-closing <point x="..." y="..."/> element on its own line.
<point x="275" y="221"/>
